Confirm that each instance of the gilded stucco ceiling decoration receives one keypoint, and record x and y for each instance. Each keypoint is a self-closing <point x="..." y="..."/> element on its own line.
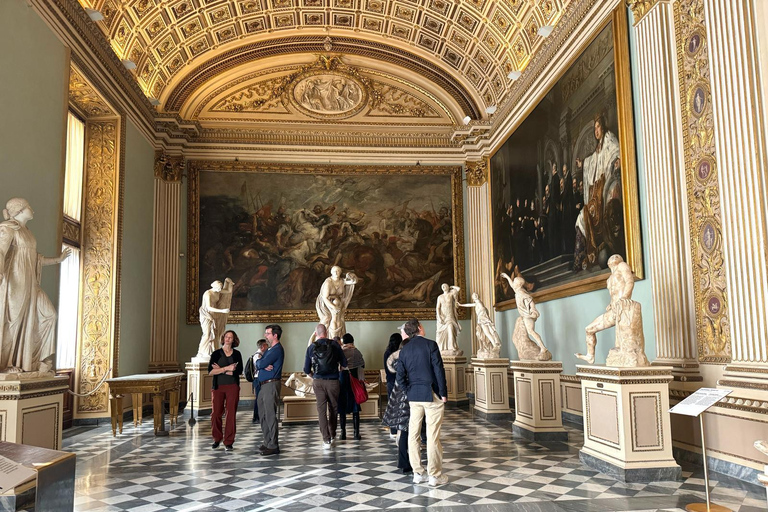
<point x="85" y="98"/>
<point x="477" y="42"/>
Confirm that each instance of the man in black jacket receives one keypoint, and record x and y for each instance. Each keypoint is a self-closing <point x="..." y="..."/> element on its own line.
<point x="422" y="375"/>
<point x="322" y="363"/>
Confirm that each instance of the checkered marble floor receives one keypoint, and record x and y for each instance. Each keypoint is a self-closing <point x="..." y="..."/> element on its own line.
<point x="488" y="470"/>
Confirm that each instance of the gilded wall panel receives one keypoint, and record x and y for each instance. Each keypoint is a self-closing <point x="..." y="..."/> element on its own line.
<point x="704" y="211"/>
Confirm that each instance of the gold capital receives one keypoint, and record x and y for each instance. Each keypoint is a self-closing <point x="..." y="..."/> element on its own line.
<point x="477" y="173"/>
<point x="640" y="8"/>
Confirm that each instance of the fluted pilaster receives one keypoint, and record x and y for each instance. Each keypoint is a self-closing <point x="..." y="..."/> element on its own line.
<point x="664" y="157"/>
<point x="479" y="246"/>
<point x="165" y="266"/>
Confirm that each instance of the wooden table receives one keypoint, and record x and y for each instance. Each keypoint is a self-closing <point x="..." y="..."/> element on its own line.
<point x="136" y="385"/>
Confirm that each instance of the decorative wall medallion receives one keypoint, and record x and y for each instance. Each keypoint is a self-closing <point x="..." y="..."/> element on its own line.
<point x="714" y="305"/>
<point x="698" y="99"/>
<point x="327" y="94"/>
<point x="694" y="44"/>
<point x="708" y="237"/>
<point x="704" y="169"/>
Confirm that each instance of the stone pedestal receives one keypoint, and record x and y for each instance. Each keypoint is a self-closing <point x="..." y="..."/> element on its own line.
<point x="199" y="383"/>
<point x="627" y="432"/>
<point x="491" y="389"/>
<point x="455" y="366"/>
<point x="303" y="409"/>
<point x="538" y="404"/>
<point x="32" y="409"/>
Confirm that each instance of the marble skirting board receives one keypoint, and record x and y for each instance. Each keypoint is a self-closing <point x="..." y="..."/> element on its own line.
<point x="718" y="466"/>
<point x="630" y="475"/>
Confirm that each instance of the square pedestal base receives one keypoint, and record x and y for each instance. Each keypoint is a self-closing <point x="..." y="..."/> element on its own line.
<point x="297" y="409"/>
<point x="491" y="389"/>
<point x="199" y="383"/>
<point x="455" y="367"/>
<point x="627" y="432"/>
<point x="538" y="415"/>
<point x="31" y="410"/>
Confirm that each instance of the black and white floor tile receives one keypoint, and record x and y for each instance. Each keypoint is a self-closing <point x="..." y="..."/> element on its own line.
<point x="488" y="470"/>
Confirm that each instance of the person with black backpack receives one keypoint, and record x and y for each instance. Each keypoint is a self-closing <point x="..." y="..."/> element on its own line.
<point x="322" y="362"/>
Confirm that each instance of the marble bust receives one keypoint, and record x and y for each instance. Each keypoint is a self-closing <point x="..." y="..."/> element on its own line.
<point x="625" y="314"/>
<point x="27" y="316"/>
<point x="487" y="336"/>
<point x="527" y="341"/>
<point x="214" y="312"/>
<point x="446" y="319"/>
<point x="333" y="300"/>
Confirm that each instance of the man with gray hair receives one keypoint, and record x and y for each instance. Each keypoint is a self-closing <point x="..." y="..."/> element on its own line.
<point x="322" y="362"/>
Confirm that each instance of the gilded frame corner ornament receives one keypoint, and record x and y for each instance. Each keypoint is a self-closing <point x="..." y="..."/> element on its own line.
<point x="629" y="180"/>
<point x="194" y="167"/>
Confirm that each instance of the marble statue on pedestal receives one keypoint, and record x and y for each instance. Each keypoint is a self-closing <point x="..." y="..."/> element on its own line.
<point x="214" y="311"/>
<point x="487" y="337"/>
<point x="333" y="300"/>
<point x="527" y="341"/>
<point x="301" y="384"/>
<point x="626" y="315"/>
<point x="446" y="318"/>
<point x="27" y="316"/>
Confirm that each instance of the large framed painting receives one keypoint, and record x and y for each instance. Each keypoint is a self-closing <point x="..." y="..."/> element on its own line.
<point x="276" y="231"/>
<point x="564" y="184"/>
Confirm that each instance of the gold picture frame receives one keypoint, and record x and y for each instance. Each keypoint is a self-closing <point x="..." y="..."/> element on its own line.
<point x="624" y="124"/>
<point x="406" y="180"/>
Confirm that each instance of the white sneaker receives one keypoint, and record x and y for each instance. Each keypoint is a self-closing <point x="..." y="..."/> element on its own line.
<point x="438" y="480"/>
<point x="326" y="446"/>
<point x="417" y="478"/>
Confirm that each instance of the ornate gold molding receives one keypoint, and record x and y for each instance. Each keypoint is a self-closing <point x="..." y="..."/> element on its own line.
<point x="83" y="96"/>
<point x="477" y="173"/>
<point x="640" y="8"/>
<point x="100" y="263"/>
<point x="169" y="168"/>
<point x="701" y="170"/>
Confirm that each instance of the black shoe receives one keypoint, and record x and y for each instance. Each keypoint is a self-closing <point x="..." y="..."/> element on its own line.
<point x="343" y="435"/>
<point x="255" y="420"/>
<point x="215" y="445"/>
<point x="262" y="447"/>
<point x="270" y="451"/>
<point x="358" y="437"/>
<point x="408" y="471"/>
<point x="229" y="447"/>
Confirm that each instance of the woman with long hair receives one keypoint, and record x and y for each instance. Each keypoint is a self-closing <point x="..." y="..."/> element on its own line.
<point x="226" y="366"/>
<point x="394" y="345"/>
<point x="347" y="403"/>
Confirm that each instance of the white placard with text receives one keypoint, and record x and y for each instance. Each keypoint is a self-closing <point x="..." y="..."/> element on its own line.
<point x="700" y="401"/>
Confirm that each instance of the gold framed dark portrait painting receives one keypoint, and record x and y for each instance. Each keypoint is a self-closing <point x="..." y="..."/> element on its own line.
<point x="277" y="230"/>
<point x="564" y="185"/>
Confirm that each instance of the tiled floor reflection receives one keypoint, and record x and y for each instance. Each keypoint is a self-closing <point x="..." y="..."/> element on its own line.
<point x="489" y="470"/>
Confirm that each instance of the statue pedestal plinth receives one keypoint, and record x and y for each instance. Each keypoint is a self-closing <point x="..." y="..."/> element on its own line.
<point x="491" y="389"/>
<point x="199" y="383"/>
<point x="303" y="409"/>
<point x="32" y="409"/>
<point x="627" y="432"/>
<point x="455" y="367"/>
<point x="537" y="400"/>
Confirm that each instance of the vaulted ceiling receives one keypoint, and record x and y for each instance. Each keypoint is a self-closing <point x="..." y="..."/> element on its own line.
<point x="417" y="66"/>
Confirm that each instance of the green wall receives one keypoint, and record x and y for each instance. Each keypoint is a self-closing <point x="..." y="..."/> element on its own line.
<point x="562" y="321"/>
<point x="136" y="271"/>
<point x="34" y="76"/>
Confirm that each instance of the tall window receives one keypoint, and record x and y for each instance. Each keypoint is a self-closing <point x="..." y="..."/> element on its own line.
<point x="69" y="285"/>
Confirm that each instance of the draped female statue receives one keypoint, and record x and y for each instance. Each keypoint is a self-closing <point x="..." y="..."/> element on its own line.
<point x="332" y="302"/>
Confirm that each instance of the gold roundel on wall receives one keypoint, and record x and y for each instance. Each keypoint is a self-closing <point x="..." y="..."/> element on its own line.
<point x="697" y="99"/>
<point x="327" y="94"/>
<point x="708" y="235"/>
<point x="704" y="168"/>
<point x="694" y="43"/>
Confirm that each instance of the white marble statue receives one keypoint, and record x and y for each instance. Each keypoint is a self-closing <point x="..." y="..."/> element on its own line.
<point x="27" y="316"/>
<point x="625" y="314"/>
<point x="333" y="300"/>
<point x="214" y="311"/>
<point x="487" y="337"/>
<point x="302" y="385"/>
<point x="446" y="318"/>
<point x="527" y="341"/>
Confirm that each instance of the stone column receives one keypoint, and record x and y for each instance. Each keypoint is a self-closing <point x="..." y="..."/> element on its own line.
<point x="667" y="205"/>
<point x="738" y="103"/>
<point x="163" y="344"/>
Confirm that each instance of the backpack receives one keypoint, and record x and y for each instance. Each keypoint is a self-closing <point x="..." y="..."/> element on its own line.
<point x="249" y="371"/>
<point x="324" y="361"/>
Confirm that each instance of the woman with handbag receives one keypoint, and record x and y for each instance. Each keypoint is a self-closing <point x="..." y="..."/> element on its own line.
<point x="347" y="403"/>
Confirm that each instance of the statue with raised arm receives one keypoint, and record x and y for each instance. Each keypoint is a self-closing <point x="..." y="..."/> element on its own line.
<point x="625" y="314"/>
<point x="333" y="300"/>
<point x="27" y="316"/>
<point x="487" y="337"/>
<point x="214" y="311"/>
<point x="527" y="341"/>
<point x="446" y="318"/>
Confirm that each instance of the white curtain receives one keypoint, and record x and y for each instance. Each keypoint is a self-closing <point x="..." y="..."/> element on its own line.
<point x="69" y="298"/>
<point x="73" y="180"/>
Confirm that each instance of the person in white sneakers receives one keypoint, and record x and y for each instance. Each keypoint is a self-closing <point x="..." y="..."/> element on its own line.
<point x="421" y="373"/>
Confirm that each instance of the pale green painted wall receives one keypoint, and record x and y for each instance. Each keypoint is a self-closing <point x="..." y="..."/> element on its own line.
<point x="136" y="272"/>
<point x="562" y="321"/>
<point x="33" y="100"/>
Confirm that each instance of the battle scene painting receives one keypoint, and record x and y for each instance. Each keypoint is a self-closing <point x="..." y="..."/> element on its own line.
<point x="276" y="231"/>
<point x="560" y="183"/>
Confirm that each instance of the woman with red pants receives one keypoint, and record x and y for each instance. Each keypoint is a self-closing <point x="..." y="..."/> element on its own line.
<point x="226" y="366"/>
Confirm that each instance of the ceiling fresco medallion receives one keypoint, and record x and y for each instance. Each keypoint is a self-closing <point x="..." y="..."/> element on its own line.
<point x="326" y="94"/>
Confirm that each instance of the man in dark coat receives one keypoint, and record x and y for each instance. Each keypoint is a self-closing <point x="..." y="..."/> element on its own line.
<point x="421" y="373"/>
